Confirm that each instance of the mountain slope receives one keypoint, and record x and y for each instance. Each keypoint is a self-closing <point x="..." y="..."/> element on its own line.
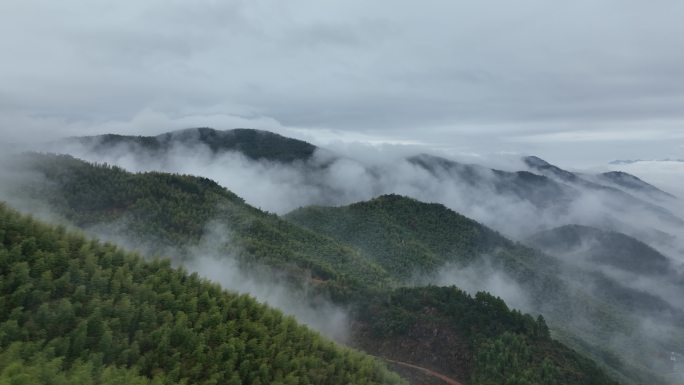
<point x="162" y="213"/>
<point x="632" y="183"/>
<point x="603" y="247"/>
<point x="403" y="235"/>
<point x="540" y="191"/>
<point x="302" y="179"/>
<point x="615" y="199"/>
<point x="408" y="237"/>
<point x="73" y="301"/>
<point x="476" y="340"/>
<point x="254" y="144"/>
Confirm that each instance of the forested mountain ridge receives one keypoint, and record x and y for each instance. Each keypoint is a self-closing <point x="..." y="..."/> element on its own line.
<point x="254" y="163"/>
<point x="89" y="311"/>
<point x="157" y="211"/>
<point x="406" y="236"/>
<point x="254" y="144"/>
<point x="476" y="339"/>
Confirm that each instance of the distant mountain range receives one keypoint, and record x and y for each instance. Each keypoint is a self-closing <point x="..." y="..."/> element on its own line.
<point x="255" y="144"/>
<point x="632" y="183"/>
<point x="610" y="182"/>
<point x="631" y="161"/>
<point x="543" y="191"/>
<point x="264" y="145"/>
<point x="602" y="247"/>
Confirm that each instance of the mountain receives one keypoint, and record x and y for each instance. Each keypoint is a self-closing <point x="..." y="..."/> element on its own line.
<point x="538" y="164"/>
<point x="83" y="310"/>
<point x="160" y="213"/>
<point x="555" y="193"/>
<point x="631" y="161"/>
<point x="401" y="234"/>
<point x="476" y="339"/>
<point x="540" y="191"/>
<point x="407" y="237"/>
<point x="291" y="177"/>
<point x="254" y="144"/>
<point x="607" y="181"/>
<point x="174" y="211"/>
<point x="615" y="198"/>
<point x="603" y="247"/>
<point x="610" y="182"/>
<point x="634" y="184"/>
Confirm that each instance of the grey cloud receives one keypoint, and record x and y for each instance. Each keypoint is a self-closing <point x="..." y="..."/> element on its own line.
<point x="389" y="69"/>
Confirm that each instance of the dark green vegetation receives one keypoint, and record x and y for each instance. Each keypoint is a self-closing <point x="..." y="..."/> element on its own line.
<point x="618" y="191"/>
<point x="478" y="340"/>
<point x="161" y="212"/>
<point x="406" y="236"/>
<point x="254" y="144"/>
<point x="587" y="309"/>
<point x="26" y="363"/>
<point x="74" y="310"/>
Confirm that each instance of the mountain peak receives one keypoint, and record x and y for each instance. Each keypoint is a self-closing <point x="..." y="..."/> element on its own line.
<point x="631" y="182"/>
<point x="539" y="164"/>
<point x="534" y="161"/>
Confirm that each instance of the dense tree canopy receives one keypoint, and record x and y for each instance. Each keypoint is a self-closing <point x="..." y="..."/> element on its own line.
<point x="496" y="345"/>
<point x="158" y="212"/>
<point x="85" y="311"/>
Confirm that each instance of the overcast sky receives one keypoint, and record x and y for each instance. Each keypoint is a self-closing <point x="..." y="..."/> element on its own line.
<point x="576" y="82"/>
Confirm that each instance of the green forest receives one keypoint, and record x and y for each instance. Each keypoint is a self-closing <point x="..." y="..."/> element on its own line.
<point x="500" y="345"/>
<point x="87" y="312"/>
<point x="156" y="212"/>
<point x="406" y="236"/>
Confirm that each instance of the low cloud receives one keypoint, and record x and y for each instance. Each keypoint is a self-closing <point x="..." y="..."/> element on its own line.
<point x="208" y="260"/>
<point x="482" y="276"/>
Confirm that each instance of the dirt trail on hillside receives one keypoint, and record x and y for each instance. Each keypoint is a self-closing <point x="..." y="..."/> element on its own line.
<point x="427" y="371"/>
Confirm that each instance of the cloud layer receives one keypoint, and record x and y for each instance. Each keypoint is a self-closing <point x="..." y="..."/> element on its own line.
<point x="480" y="77"/>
